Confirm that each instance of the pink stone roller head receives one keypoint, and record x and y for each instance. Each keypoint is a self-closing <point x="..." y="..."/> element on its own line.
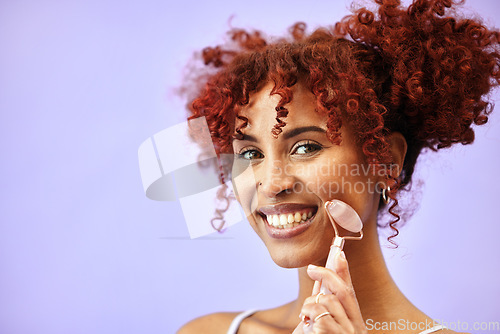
<point x="344" y="215"/>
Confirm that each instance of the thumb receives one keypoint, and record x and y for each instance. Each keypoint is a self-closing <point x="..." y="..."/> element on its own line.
<point x="299" y="329"/>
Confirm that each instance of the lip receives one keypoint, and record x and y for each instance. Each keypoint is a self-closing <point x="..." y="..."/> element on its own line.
<point x="279" y="233"/>
<point x="286" y="208"/>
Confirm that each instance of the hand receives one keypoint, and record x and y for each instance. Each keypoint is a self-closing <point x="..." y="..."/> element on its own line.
<point x="344" y="313"/>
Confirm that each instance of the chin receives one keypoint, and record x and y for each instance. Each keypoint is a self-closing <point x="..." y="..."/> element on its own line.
<point x="287" y="258"/>
<point x="287" y="262"/>
<point x="290" y="263"/>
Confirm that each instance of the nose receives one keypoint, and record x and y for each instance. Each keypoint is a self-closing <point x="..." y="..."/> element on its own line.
<point x="275" y="179"/>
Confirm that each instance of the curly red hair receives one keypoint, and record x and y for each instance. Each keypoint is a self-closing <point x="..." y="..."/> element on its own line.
<point x="413" y="70"/>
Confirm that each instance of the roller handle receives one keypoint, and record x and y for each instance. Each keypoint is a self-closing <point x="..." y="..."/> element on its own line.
<point x="335" y="249"/>
<point x="330" y="264"/>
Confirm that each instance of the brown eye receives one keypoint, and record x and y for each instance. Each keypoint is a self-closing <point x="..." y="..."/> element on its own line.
<point x="250" y="155"/>
<point x="307" y="148"/>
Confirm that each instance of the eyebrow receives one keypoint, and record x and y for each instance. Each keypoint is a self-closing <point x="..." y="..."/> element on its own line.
<point x="298" y="131"/>
<point x="289" y="134"/>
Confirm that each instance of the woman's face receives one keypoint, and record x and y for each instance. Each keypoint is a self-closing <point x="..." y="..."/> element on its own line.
<point x="295" y="174"/>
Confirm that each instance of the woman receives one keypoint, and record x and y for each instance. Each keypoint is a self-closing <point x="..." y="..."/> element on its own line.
<point x="369" y="95"/>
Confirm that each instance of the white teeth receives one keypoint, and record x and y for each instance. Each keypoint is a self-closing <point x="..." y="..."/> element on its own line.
<point x="276" y="220"/>
<point x="288" y="220"/>
<point x="283" y="220"/>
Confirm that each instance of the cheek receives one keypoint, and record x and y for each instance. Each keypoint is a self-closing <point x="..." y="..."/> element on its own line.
<point x="351" y="182"/>
<point x="323" y="177"/>
<point x="245" y="190"/>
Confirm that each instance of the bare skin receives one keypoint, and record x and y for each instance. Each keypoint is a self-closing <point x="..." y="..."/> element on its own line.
<point x="376" y="296"/>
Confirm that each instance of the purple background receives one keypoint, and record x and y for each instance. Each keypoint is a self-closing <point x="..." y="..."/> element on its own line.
<point x="82" y="250"/>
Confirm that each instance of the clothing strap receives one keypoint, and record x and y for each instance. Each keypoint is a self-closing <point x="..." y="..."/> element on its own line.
<point x="235" y="324"/>
<point x="433" y="329"/>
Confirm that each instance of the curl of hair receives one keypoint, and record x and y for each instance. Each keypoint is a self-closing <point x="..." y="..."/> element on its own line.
<point x="415" y="70"/>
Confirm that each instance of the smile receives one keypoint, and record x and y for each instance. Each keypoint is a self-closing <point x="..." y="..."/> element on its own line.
<point x="287" y="220"/>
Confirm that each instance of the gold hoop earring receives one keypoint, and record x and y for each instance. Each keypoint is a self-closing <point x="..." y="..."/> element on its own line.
<point x="385" y="195"/>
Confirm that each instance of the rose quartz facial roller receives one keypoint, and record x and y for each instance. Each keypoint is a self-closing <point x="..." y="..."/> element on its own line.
<point x="346" y="217"/>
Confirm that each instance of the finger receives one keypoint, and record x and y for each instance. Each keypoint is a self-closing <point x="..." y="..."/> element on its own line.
<point x="331" y="303"/>
<point x="354" y="324"/>
<point x="342" y="268"/>
<point x="316" y="287"/>
<point x="340" y="288"/>
<point x="299" y="329"/>
<point x="310" y="300"/>
<point x="327" y="323"/>
<point x="334" y="306"/>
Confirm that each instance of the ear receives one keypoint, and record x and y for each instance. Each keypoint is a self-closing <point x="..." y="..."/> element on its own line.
<point x="398" y="146"/>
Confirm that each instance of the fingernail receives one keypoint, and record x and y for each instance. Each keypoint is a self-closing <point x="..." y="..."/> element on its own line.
<point x="330" y="205"/>
<point x="341" y="260"/>
<point x="311" y="267"/>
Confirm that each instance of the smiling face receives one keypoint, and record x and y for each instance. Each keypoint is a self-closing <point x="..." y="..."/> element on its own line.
<point x="295" y="174"/>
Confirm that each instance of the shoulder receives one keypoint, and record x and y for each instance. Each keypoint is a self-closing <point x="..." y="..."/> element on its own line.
<point x="216" y="323"/>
